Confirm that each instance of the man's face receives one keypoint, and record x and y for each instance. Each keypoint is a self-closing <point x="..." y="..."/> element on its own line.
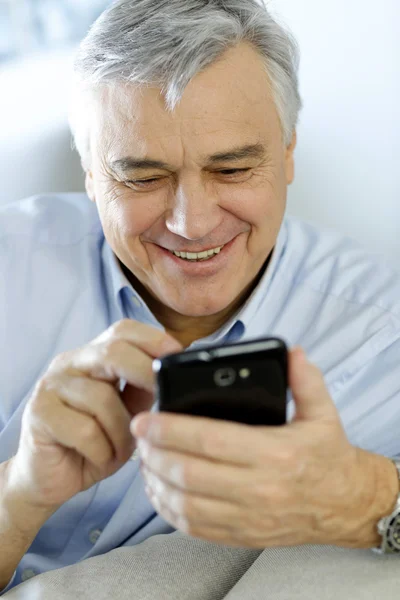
<point x="193" y="201"/>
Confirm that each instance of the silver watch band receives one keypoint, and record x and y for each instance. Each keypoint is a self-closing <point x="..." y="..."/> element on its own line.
<point x="389" y="526"/>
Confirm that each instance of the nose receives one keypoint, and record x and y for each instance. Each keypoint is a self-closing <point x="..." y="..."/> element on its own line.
<point x="194" y="212"/>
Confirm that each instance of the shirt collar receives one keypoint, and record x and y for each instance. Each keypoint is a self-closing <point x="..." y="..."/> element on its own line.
<point x="123" y="300"/>
<point x="251" y="307"/>
<point x="116" y="276"/>
<point x="233" y="330"/>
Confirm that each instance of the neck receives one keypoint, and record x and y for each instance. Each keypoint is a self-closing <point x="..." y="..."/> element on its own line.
<point x="188" y="329"/>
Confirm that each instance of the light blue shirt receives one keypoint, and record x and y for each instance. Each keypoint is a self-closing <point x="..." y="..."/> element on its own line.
<point x="61" y="286"/>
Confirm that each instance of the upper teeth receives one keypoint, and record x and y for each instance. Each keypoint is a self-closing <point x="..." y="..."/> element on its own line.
<point x="197" y="255"/>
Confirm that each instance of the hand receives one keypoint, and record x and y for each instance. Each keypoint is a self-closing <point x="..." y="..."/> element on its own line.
<point x="255" y="487"/>
<point x="75" y="427"/>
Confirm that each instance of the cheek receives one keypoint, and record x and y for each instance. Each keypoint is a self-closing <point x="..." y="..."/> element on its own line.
<point x="125" y="214"/>
<point x="255" y="206"/>
<point x="135" y="219"/>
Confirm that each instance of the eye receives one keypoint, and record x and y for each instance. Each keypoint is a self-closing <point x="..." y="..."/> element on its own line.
<point x="143" y="183"/>
<point x="230" y="172"/>
<point x="149" y="183"/>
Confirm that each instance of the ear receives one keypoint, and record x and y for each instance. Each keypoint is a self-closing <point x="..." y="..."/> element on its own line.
<point x="289" y="159"/>
<point x="89" y="184"/>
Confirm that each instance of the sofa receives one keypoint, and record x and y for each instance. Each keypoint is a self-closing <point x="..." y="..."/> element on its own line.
<point x="178" y="567"/>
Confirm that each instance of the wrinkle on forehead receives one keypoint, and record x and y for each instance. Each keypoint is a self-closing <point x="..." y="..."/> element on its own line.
<point x="230" y="98"/>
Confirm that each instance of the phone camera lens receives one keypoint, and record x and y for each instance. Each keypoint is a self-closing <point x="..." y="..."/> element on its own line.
<point x="224" y="377"/>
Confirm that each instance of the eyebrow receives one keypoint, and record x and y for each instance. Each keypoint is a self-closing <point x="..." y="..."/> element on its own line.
<point x="130" y="163"/>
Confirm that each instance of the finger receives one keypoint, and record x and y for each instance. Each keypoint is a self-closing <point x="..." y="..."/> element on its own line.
<point x="210" y="533"/>
<point x="70" y="429"/>
<point x="150" y="340"/>
<point x="212" y="521"/>
<point x="216" y="440"/>
<point x="195" y="475"/>
<point x="311" y="396"/>
<point x="102" y="402"/>
<point x="194" y="509"/>
<point x="108" y="362"/>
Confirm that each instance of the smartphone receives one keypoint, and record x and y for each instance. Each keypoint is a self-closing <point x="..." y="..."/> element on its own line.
<point x="245" y="382"/>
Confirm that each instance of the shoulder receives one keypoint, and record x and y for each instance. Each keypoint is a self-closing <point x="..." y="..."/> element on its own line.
<point x="50" y="265"/>
<point x="339" y="267"/>
<point x="48" y="237"/>
<point x="53" y="219"/>
<point x="49" y="248"/>
<point x="341" y="301"/>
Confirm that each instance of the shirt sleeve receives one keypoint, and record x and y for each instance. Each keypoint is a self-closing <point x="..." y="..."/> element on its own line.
<point x="12" y="265"/>
<point x="369" y="403"/>
<point x="21" y="318"/>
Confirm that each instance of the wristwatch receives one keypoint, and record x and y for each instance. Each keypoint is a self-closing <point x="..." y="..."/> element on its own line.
<point x="389" y="527"/>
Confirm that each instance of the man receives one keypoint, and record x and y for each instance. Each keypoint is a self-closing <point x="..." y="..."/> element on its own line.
<point x="185" y="118"/>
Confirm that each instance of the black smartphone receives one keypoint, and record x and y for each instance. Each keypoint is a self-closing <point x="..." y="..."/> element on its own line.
<point x="245" y="382"/>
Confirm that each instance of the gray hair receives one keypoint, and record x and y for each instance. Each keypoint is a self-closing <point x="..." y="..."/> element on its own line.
<point x="165" y="43"/>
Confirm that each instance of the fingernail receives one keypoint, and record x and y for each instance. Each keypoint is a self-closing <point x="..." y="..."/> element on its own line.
<point x="140" y="425"/>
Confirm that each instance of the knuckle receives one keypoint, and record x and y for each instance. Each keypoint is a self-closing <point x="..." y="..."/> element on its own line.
<point x="42" y="386"/>
<point x="111" y="349"/>
<point x="59" y="362"/>
<point x="120" y="327"/>
<point x="42" y="408"/>
<point x="42" y="391"/>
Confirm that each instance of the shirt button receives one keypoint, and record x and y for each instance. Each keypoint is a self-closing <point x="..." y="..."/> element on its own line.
<point x="94" y="535"/>
<point x="27" y="574"/>
<point x="136" y="302"/>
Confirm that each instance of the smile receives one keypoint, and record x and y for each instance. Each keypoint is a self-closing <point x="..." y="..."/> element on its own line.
<point x="198" y="256"/>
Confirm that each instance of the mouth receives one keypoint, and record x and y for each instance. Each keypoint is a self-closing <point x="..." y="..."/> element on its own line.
<point x="198" y="256"/>
<point x="206" y="263"/>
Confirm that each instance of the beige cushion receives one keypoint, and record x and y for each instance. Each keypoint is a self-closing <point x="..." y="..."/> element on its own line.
<point x="177" y="567"/>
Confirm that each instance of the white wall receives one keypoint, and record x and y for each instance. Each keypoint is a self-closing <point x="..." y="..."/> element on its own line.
<point x="348" y="155"/>
<point x="35" y="141"/>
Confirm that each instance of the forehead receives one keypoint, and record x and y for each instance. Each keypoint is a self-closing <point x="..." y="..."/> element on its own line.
<point x="230" y="98"/>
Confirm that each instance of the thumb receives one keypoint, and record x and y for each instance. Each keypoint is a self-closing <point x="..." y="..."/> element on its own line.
<point x="310" y="394"/>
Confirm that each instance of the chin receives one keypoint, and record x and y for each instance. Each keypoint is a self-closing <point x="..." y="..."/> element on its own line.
<point x="197" y="308"/>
